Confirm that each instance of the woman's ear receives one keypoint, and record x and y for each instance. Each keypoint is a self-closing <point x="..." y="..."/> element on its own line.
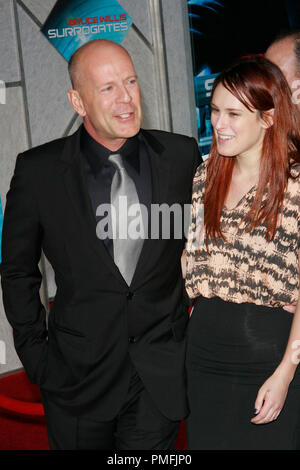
<point x="267" y="118"/>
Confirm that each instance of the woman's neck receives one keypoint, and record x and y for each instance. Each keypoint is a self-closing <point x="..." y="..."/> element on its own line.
<point x="246" y="167"/>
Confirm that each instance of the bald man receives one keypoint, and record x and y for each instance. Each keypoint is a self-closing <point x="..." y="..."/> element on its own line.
<point x="110" y="362"/>
<point x="285" y="53"/>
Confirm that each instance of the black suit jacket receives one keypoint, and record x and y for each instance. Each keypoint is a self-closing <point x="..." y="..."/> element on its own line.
<point x="97" y="322"/>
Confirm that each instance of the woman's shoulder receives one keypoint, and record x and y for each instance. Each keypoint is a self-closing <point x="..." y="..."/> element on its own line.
<point x="199" y="181"/>
<point x="200" y="174"/>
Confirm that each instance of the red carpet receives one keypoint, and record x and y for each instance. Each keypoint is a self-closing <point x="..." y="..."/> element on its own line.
<point x="22" y="421"/>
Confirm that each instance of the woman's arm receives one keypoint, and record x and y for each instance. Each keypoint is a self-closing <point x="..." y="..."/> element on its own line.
<point x="271" y="396"/>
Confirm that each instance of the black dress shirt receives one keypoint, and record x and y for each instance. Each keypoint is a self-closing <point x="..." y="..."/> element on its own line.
<point x="99" y="172"/>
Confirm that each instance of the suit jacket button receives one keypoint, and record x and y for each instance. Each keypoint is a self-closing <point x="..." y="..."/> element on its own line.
<point x="129" y="295"/>
<point x="132" y="339"/>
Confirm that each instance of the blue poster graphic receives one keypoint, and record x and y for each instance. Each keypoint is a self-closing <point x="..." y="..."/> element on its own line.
<point x="203" y="85"/>
<point x="224" y="30"/>
<point x="72" y="23"/>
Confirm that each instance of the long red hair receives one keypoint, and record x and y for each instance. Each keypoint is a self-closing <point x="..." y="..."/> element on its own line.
<point x="259" y="85"/>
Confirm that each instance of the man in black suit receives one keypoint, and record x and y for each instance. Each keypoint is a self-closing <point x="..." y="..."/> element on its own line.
<point x="111" y="362"/>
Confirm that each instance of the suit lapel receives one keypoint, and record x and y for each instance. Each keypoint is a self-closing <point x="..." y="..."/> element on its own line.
<point x="160" y="167"/>
<point x="160" y="173"/>
<point x="76" y="188"/>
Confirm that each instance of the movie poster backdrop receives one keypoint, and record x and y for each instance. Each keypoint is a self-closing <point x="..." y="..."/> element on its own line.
<point x="72" y="23"/>
<point x="223" y="30"/>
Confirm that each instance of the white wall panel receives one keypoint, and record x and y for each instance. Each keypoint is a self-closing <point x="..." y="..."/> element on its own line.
<point x="9" y="68"/>
<point x="139" y="12"/>
<point x="47" y="81"/>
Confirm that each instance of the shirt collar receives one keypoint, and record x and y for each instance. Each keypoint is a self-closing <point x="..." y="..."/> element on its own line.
<point x="97" y="155"/>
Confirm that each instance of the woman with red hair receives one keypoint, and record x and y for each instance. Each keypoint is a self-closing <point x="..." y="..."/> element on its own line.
<point x="242" y="267"/>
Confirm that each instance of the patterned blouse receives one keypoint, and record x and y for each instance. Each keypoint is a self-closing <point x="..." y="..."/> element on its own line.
<point x="245" y="267"/>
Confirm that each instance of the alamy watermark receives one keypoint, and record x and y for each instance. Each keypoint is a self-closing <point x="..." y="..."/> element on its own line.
<point x="296" y="93"/>
<point x="160" y="221"/>
<point x="2" y="92"/>
<point x="2" y="352"/>
<point x="296" y="353"/>
<point x="135" y="221"/>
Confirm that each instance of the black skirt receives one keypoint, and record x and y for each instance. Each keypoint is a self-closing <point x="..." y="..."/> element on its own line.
<point x="232" y="349"/>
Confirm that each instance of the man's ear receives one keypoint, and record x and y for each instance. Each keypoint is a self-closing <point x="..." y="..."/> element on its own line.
<point x="267" y="118"/>
<point x="76" y="102"/>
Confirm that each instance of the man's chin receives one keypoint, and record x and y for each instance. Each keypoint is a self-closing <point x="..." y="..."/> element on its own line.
<point x="128" y="133"/>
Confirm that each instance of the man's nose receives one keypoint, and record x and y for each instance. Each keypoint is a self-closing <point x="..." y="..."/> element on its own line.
<point x="124" y="94"/>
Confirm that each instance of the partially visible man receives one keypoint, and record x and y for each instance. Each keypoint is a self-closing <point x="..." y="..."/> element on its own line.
<point x="285" y="53"/>
<point x="111" y="362"/>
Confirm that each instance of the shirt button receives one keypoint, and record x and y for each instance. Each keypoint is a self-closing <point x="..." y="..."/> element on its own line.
<point x="129" y="295"/>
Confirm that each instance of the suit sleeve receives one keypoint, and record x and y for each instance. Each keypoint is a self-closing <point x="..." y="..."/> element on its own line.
<point x="197" y="157"/>
<point x="197" y="160"/>
<point x="20" y="274"/>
